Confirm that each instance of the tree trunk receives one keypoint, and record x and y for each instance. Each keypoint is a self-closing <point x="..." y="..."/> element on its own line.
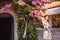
<point x="25" y="31"/>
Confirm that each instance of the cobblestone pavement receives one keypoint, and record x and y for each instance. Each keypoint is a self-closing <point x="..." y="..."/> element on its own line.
<point x="55" y="34"/>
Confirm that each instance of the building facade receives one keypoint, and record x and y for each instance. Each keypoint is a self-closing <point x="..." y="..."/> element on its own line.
<point x="53" y="11"/>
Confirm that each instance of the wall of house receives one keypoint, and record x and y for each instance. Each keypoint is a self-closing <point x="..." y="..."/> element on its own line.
<point x="55" y="17"/>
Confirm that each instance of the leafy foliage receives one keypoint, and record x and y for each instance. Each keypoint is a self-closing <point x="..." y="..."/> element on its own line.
<point x="31" y="31"/>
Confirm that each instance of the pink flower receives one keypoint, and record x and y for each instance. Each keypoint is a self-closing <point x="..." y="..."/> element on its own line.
<point x="20" y="2"/>
<point x="6" y="7"/>
<point x="34" y="3"/>
<point x="36" y="14"/>
<point x="27" y="5"/>
<point x="43" y="9"/>
<point x="40" y="8"/>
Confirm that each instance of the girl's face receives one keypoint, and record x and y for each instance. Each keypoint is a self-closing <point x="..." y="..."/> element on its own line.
<point x="46" y="18"/>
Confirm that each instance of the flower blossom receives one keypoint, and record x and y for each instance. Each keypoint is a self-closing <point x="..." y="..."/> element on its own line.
<point x="27" y="5"/>
<point x="20" y="2"/>
<point x="34" y="2"/>
<point x="41" y="8"/>
<point x="36" y="14"/>
<point x="6" y="7"/>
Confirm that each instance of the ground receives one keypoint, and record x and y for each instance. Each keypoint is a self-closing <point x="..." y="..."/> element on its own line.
<point x="55" y="34"/>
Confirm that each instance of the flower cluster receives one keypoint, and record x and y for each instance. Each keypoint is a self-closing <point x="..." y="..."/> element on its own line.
<point x="36" y="14"/>
<point x="6" y="7"/>
<point x="37" y="4"/>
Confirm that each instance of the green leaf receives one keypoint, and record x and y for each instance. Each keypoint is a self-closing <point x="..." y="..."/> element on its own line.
<point x="28" y="9"/>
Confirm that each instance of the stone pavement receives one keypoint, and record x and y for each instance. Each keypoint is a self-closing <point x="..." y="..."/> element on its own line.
<point x="55" y="34"/>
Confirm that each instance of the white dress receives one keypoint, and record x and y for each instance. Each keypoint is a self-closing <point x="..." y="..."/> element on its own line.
<point x="47" y="35"/>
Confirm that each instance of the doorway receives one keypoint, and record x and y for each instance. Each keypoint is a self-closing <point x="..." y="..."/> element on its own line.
<point x="6" y="27"/>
